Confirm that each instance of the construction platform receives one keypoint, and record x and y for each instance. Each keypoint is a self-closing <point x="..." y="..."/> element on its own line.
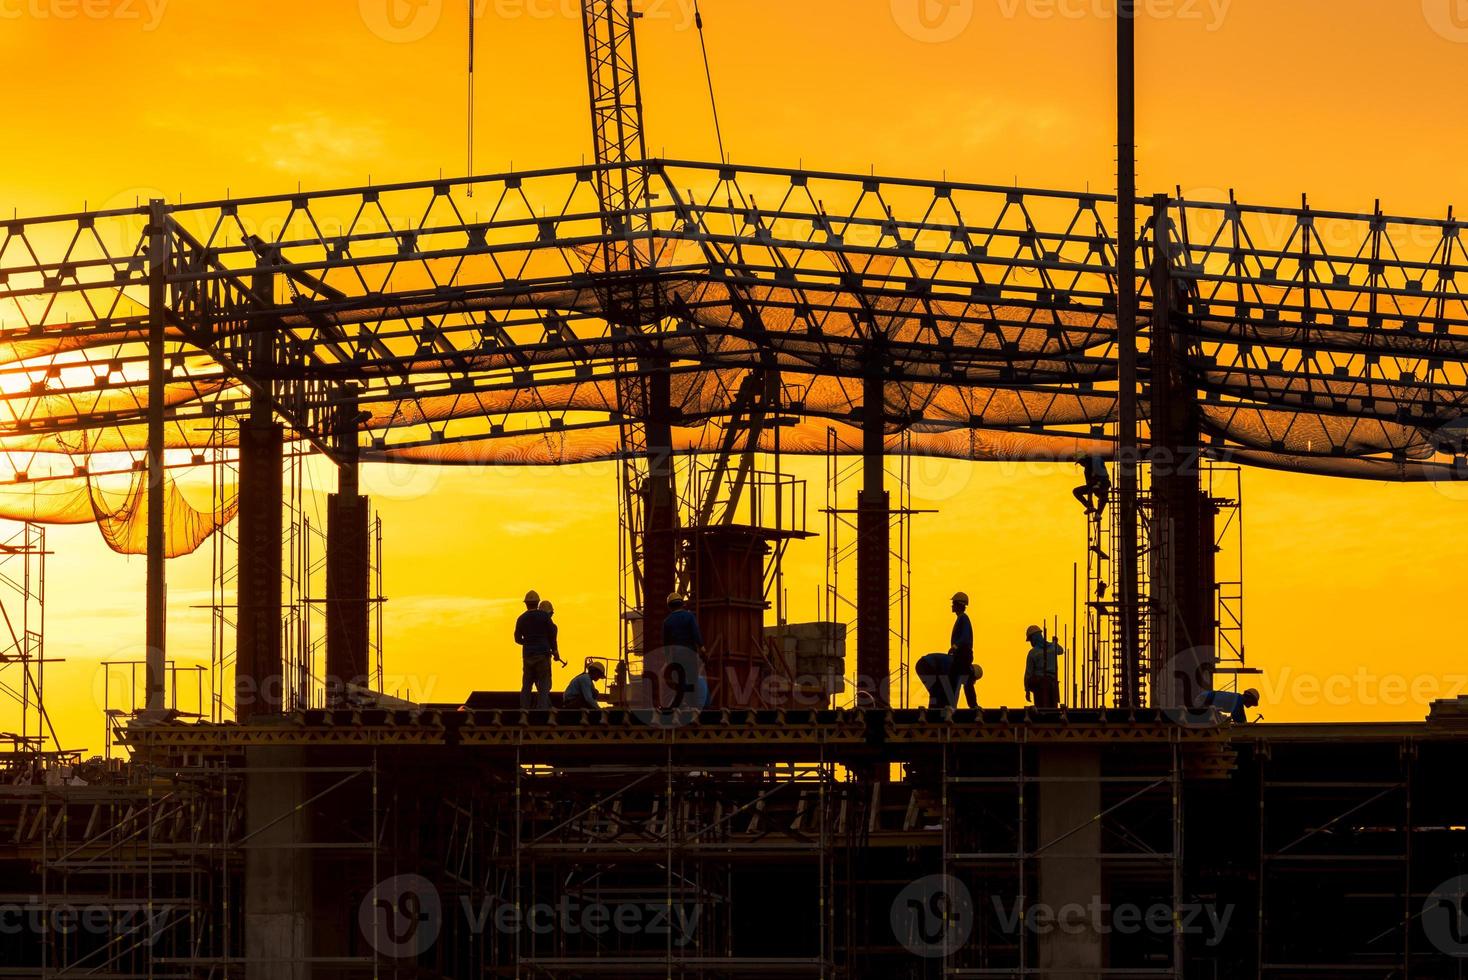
<point x="1002" y="843"/>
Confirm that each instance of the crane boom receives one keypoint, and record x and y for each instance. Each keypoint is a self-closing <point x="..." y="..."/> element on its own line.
<point x="616" y="125"/>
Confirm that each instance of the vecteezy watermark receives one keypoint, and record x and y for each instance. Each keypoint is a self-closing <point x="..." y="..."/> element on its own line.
<point x="934" y="916"/>
<point x="677" y="923"/>
<point x="141" y="923"/>
<point x="933" y="21"/>
<point x="1445" y="917"/>
<point x="403" y="915"/>
<point x="148" y="13"/>
<point x="1448" y="18"/>
<point x="401" y="21"/>
<point x="406" y="21"/>
<point x="1100" y="918"/>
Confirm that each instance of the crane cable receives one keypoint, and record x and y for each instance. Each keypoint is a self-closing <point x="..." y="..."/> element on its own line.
<point x="709" y="76"/>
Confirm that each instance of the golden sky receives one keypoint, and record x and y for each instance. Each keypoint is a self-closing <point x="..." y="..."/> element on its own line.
<point x="1352" y="588"/>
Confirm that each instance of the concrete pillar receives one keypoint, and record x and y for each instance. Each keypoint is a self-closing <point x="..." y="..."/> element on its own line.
<point x="873" y="551"/>
<point x="1069" y="862"/>
<point x="1182" y="569"/>
<point x="348" y="566"/>
<point x="259" y="670"/>
<point x="659" y="506"/>
<point x="259" y="667"/>
<point x="278" y="889"/>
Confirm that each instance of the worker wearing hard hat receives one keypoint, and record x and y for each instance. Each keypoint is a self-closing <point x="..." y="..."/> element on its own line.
<point x="961" y="654"/>
<point x="687" y="687"/>
<point x="581" y="692"/>
<point x="536" y="633"/>
<point x="1042" y="669"/>
<point x="1230" y="704"/>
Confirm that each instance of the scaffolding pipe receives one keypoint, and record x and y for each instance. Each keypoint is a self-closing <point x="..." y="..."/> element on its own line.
<point x="1126" y="342"/>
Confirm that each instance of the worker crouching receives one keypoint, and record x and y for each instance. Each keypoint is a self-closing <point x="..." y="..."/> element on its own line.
<point x="581" y="692"/>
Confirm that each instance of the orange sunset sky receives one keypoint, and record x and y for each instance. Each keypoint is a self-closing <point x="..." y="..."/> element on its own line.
<point x="1353" y="586"/>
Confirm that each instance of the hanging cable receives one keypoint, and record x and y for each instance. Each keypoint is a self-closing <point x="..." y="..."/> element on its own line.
<point x="471" y="96"/>
<point x="709" y="76"/>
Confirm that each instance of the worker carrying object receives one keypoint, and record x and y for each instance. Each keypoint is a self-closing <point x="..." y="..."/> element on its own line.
<point x="932" y="672"/>
<point x="683" y="684"/>
<point x="536" y="633"/>
<point x="1093" y="493"/>
<point x="1229" y="703"/>
<point x="1042" y="669"/>
<point x="581" y="692"/>
<point x="961" y="653"/>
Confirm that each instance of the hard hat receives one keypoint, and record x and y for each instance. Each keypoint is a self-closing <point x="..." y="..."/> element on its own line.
<point x="597" y="669"/>
<point x="674" y="597"/>
<point x="961" y="597"/>
<point x="1033" y="631"/>
<point x="546" y="607"/>
<point x="532" y="596"/>
<point x="1252" y="694"/>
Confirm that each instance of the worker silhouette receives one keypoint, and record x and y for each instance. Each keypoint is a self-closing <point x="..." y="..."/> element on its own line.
<point x="1229" y="704"/>
<point x="961" y="654"/>
<point x="682" y="684"/>
<point x="932" y="672"/>
<point x="1042" y="669"/>
<point x="1093" y="493"/>
<point x="581" y="692"/>
<point x="536" y="633"/>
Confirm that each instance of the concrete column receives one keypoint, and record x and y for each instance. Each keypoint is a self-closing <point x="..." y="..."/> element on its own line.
<point x="348" y="566"/>
<point x="278" y="888"/>
<point x="873" y="551"/>
<point x="259" y="667"/>
<point x="1182" y="570"/>
<point x="1069" y="862"/>
<point x="659" y="507"/>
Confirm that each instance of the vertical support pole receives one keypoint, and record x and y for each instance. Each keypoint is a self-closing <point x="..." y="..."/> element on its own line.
<point x="873" y="549"/>
<point x="157" y="585"/>
<point x="1183" y="628"/>
<point x="1126" y="342"/>
<point x="259" y="664"/>
<point x="347" y="563"/>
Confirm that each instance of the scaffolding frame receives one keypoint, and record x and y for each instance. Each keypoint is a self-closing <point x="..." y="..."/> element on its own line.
<point x="843" y="477"/>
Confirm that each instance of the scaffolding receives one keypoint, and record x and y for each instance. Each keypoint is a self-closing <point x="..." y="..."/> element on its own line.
<point x="1098" y="683"/>
<point x="1024" y="830"/>
<point x="843" y="476"/>
<point x="22" y="639"/>
<point x="1094" y="679"/>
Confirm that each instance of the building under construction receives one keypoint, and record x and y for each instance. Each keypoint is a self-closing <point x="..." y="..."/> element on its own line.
<point x="699" y="324"/>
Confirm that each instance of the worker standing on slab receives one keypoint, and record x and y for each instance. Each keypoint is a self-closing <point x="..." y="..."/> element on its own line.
<point x="581" y="692"/>
<point x="1042" y="669"/>
<point x="550" y="610"/>
<point x="536" y="633"/>
<point x="684" y="683"/>
<point x="1230" y="704"/>
<point x="961" y="653"/>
